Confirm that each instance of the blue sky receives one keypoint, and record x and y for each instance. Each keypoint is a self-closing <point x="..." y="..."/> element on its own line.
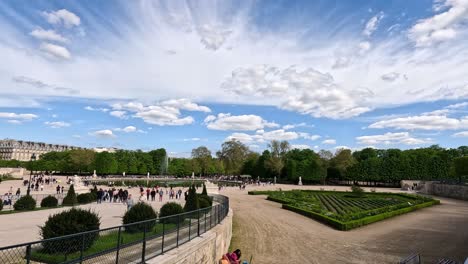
<point x="180" y="74"/>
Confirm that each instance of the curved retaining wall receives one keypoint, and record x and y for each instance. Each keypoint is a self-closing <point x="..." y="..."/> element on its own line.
<point x="208" y="248"/>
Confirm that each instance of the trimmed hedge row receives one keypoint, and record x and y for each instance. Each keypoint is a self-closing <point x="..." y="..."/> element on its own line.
<point x="345" y="226"/>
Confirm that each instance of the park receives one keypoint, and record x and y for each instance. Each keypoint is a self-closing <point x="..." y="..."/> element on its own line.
<point x="273" y="219"/>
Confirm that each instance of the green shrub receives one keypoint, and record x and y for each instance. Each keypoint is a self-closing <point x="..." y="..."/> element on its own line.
<point x="70" y="199"/>
<point x="192" y="203"/>
<point x="1" y="204"/>
<point x="49" y="201"/>
<point x="204" y="192"/>
<point x="140" y="212"/>
<point x="69" y="222"/>
<point x="169" y="209"/>
<point x="94" y="192"/>
<point x="25" y="203"/>
<point x="204" y="201"/>
<point x="85" y="198"/>
<point x="357" y="191"/>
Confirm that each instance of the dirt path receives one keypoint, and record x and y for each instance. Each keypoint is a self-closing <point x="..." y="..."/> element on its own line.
<point x="273" y="235"/>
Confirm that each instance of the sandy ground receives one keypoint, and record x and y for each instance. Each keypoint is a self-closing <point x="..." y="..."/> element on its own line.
<point x="24" y="227"/>
<point x="273" y="235"/>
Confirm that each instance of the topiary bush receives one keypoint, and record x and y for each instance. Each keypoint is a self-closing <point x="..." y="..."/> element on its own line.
<point x="357" y="191"/>
<point x="192" y="203"/>
<point x="169" y="209"/>
<point x="70" y="199"/>
<point x="49" y="201"/>
<point x="25" y="203"/>
<point x="137" y="213"/>
<point x="94" y="192"/>
<point x="69" y="222"/>
<point x="85" y="198"/>
<point x="204" y="192"/>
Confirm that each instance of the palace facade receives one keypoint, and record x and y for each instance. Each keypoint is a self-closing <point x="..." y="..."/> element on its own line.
<point x="11" y="149"/>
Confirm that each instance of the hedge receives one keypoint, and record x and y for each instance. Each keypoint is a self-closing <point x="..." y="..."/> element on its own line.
<point x="345" y="226"/>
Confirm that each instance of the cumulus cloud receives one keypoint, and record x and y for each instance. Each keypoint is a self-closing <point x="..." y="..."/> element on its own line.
<point x="461" y="134"/>
<point x="165" y="113"/>
<point x="423" y="122"/>
<point x="119" y="114"/>
<point x="441" y="27"/>
<point x="291" y="126"/>
<point x="57" y="124"/>
<point x="305" y="91"/>
<point x="62" y="17"/>
<point x="392" y="138"/>
<point x="55" y="50"/>
<point x="300" y="146"/>
<point x="101" y="109"/>
<point x="329" y="141"/>
<point x="106" y="133"/>
<point x="390" y="77"/>
<point x="240" y="122"/>
<point x="262" y="136"/>
<point x="127" y="129"/>
<point x="213" y="37"/>
<point x="48" y="35"/>
<point x="372" y="24"/>
<point x="24" y="117"/>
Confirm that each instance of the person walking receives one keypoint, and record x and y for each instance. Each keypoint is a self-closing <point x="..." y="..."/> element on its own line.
<point x="161" y="193"/>
<point x="18" y="193"/>
<point x="148" y="191"/>
<point x="129" y="202"/>
<point x="153" y="194"/>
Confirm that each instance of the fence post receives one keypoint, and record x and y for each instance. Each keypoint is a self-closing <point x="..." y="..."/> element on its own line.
<point x="82" y="247"/>
<point x="28" y="254"/>
<point x="178" y="227"/>
<point x="189" y="228"/>
<point x="205" y="221"/>
<point x="118" y="246"/>
<point x="198" y="222"/>
<point x="162" y="242"/>
<point x="143" y="252"/>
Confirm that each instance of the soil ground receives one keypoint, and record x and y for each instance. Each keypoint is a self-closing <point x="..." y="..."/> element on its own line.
<point x="273" y="235"/>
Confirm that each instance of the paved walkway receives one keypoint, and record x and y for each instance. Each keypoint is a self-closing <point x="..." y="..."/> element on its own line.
<point x="274" y="235"/>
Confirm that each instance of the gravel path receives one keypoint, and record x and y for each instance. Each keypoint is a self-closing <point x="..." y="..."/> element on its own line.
<point x="273" y="235"/>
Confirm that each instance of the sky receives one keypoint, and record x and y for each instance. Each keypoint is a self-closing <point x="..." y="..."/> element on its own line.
<point x="181" y="74"/>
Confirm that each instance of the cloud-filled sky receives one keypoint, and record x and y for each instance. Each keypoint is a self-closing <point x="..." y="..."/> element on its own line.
<point x="178" y="74"/>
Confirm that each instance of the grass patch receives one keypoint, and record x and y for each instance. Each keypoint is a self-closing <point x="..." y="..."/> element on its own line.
<point x="344" y="211"/>
<point x="105" y="243"/>
<point x="4" y="212"/>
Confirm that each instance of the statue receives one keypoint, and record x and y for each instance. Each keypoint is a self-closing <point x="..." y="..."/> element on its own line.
<point x="123" y="174"/>
<point x="193" y="175"/>
<point x="78" y="185"/>
<point x="94" y="174"/>
<point x="274" y="181"/>
<point x="300" y="181"/>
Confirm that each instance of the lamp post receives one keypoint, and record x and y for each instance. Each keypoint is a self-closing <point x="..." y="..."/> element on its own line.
<point x="33" y="158"/>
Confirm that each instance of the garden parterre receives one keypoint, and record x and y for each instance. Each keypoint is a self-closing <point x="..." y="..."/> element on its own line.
<point x="346" y="210"/>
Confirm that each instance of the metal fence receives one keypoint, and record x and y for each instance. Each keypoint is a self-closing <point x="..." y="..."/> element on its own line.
<point x="131" y="243"/>
<point x="414" y="258"/>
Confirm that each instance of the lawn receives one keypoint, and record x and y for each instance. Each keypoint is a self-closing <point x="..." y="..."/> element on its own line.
<point x="347" y="210"/>
<point x="104" y="243"/>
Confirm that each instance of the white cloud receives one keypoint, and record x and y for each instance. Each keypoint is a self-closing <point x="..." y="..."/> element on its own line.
<point x="461" y="134"/>
<point x="423" y="122"/>
<point x="300" y="146"/>
<point x="308" y="136"/>
<point x="62" y="16"/>
<point x="240" y="122"/>
<point x="164" y="113"/>
<point x="55" y="50"/>
<point x="192" y="139"/>
<point x="101" y="109"/>
<point x="458" y="106"/>
<point x="127" y="129"/>
<point x="261" y="136"/>
<point x="392" y="138"/>
<point x="213" y="37"/>
<point x="119" y="114"/>
<point x="280" y="134"/>
<point x="14" y="121"/>
<point x="390" y="77"/>
<point x="57" y="124"/>
<point x="329" y="141"/>
<point x="441" y="27"/>
<point x="24" y="117"/>
<point x="372" y="24"/>
<point x="48" y="35"/>
<point x="291" y="126"/>
<point x="106" y="133"/>
<point x="342" y="147"/>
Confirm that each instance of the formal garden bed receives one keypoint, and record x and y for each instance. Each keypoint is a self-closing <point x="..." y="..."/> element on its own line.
<point x="347" y="210"/>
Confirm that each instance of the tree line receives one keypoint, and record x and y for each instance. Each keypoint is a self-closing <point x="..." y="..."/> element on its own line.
<point x="280" y="160"/>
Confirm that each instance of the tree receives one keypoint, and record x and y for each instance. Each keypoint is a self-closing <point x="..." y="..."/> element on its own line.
<point x="82" y="158"/>
<point x="233" y="154"/>
<point x="341" y="161"/>
<point x="105" y="163"/>
<point x="278" y="153"/>
<point x="461" y="167"/>
<point x="192" y="200"/>
<point x="202" y="155"/>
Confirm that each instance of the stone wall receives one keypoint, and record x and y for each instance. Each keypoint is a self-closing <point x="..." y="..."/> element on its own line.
<point x="208" y="248"/>
<point x="446" y="190"/>
<point x="15" y="172"/>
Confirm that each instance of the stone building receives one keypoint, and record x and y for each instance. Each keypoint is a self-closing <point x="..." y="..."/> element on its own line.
<point x="11" y="149"/>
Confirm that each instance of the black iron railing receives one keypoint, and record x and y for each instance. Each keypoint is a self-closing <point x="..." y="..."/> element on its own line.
<point x="131" y="243"/>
